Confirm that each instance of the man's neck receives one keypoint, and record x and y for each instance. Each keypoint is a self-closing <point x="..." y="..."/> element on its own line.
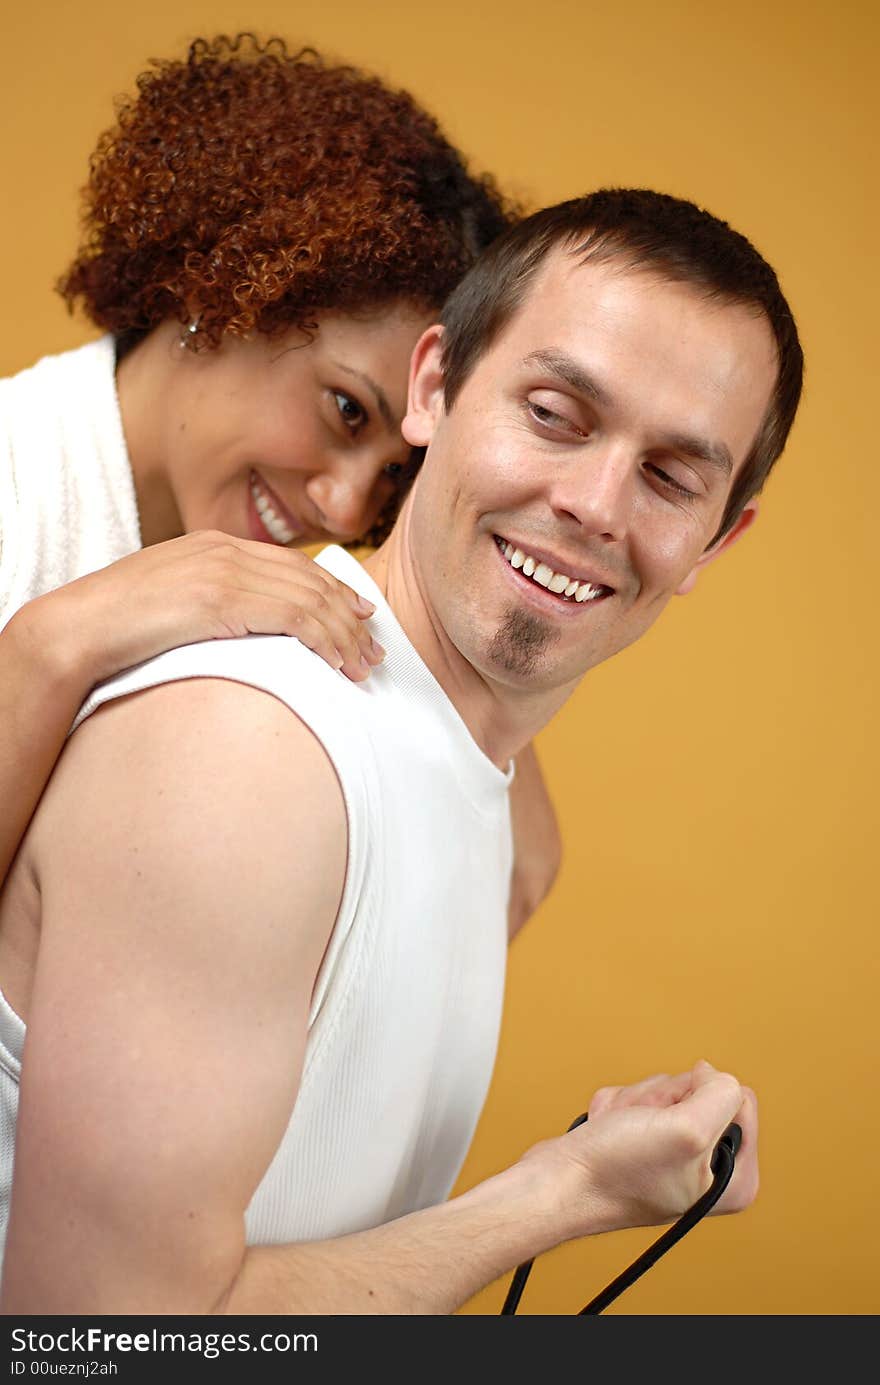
<point x="501" y="719"/>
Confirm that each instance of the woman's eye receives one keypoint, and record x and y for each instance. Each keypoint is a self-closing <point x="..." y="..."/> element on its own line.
<point x="351" y="412"/>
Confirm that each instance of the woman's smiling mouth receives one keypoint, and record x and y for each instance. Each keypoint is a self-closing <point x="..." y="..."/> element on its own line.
<point x="273" y="515"/>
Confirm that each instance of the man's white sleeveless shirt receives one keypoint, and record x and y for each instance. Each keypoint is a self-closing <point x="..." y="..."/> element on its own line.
<point x="405" y="1015"/>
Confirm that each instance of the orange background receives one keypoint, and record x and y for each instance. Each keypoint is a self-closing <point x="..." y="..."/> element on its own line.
<point x="715" y="784"/>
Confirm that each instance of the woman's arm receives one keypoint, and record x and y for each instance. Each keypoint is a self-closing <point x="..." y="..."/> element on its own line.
<point x="537" y="848"/>
<point x="202" y="586"/>
<point x="39" y="697"/>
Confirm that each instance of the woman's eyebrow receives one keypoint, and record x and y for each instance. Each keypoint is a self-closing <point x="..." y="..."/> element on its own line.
<point x="376" y="390"/>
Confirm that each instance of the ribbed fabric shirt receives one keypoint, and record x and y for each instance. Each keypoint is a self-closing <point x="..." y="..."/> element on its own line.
<point x="404" y="1022"/>
<point x="67" y="497"/>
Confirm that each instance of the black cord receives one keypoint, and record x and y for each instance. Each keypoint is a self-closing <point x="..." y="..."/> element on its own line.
<point x="723" y="1161"/>
<point x="518" y="1282"/>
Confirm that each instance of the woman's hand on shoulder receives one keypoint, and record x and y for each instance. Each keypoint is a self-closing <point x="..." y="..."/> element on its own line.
<point x="202" y="586"/>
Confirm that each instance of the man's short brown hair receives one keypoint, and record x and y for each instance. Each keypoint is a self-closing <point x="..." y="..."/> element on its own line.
<point x="641" y="230"/>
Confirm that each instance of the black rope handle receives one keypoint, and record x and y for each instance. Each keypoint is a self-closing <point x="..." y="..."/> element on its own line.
<point x="722" y="1165"/>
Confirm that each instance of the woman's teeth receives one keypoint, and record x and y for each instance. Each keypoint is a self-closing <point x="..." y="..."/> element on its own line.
<point x="556" y="582"/>
<point x="273" y="523"/>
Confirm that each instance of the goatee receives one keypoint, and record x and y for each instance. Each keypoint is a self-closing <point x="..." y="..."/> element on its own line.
<point x="519" y="643"/>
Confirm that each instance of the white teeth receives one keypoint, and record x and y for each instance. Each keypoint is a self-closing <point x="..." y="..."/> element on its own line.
<point x="275" y="526"/>
<point x="556" y="582"/>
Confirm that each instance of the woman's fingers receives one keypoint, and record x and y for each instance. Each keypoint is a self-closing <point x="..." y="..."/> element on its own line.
<point x="316" y="625"/>
<point x="207" y="586"/>
<point x="296" y="562"/>
<point x="319" y="599"/>
<point x="261" y="590"/>
<point x="321" y="618"/>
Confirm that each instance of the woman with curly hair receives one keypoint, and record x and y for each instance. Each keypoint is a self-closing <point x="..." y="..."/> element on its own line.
<point x="266" y="236"/>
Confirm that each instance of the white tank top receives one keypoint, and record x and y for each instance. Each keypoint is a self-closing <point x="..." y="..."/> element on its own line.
<point x="67" y="498"/>
<point x="405" y="1016"/>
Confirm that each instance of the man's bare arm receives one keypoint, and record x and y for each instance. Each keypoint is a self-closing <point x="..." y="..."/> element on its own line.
<point x="167" y="1025"/>
<point x="537" y="849"/>
<point x="642" y="1159"/>
<point x="190" y="853"/>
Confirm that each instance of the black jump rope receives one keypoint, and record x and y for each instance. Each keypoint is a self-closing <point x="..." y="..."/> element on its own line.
<point x="723" y="1160"/>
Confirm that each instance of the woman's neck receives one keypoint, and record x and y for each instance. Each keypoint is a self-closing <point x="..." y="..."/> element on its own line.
<point x="143" y="378"/>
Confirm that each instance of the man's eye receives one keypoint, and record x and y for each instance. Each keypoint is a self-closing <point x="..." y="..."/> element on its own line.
<point x="351" y="412"/>
<point x="671" y="483"/>
<point x="541" y="414"/>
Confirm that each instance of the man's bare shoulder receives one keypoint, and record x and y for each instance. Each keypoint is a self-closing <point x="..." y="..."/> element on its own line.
<point x="203" y="728"/>
<point x="198" y="773"/>
<point x="191" y="855"/>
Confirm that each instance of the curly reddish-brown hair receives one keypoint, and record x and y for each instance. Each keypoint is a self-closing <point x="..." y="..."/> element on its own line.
<point x="246" y="188"/>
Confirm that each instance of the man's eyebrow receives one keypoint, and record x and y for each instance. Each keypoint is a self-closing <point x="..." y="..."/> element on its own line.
<point x="567" y="369"/>
<point x="717" y="454"/>
<point x="377" y="392"/>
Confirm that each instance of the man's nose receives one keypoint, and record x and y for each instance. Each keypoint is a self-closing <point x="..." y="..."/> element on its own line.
<point x="596" y="491"/>
<point x="347" y="502"/>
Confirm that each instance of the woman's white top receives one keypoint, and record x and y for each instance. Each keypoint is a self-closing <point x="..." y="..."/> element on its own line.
<point x="67" y="499"/>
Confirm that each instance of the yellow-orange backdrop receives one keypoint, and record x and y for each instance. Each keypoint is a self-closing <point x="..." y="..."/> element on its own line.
<point x="715" y="783"/>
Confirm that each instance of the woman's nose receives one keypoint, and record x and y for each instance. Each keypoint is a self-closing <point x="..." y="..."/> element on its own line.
<point x="347" y="504"/>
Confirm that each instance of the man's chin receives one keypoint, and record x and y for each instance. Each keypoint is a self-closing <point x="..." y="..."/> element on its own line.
<point x="520" y="644"/>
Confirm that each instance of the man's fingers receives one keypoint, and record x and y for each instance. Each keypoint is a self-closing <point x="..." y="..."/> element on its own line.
<point x="660" y="1090"/>
<point x="743" y="1187"/>
<point x="603" y="1100"/>
<point x="715" y="1099"/>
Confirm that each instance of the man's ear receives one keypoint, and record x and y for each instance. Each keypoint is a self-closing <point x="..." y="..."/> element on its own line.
<point x="745" y="521"/>
<point x="425" y="399"/>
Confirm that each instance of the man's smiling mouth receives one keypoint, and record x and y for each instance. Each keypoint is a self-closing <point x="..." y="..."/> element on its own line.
<point x="563" y="586"/>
